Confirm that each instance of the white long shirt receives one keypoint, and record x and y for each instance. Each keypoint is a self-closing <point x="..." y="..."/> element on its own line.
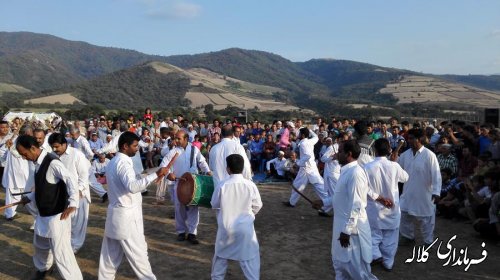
<point x="218" y="155"/>
<point x="237" y="201"/>
<point x="349" y="203"/>
<point x="99" y="167"/>
<point x="279" y="165"/>
<point x="19" y="174"/>
<point x="125" y="199"/>
<point x="112" y="147"/>
<point x="424" y="181"/>
<point x="383" y="179"/>
<point x="48" y="226"/>
<point x="332" y="167"/>
<point x="306" y="150"/>
<point x="78" y="166"/>
<point x="83" y="145"/>
<point x="182" y="164"/>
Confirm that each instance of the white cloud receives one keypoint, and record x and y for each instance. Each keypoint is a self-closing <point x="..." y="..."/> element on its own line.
<point x="495" y="33"/>
<point x="171" y="10"/>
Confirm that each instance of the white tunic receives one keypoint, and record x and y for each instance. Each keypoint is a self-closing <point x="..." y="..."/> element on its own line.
<point x="383" y="178"/>
<point x="424" y="181"/>
<point x="125" y="199"/>
<point x="349" y="203"/>
<point x="218" y="155"/>
<point x="49" y="226"/>
<point x="237" y="201"/>
<point x="112" y="147"/>
<point x="182" y="164"/>
<point x="83" y="145"/>
<point x="332" y="167"/>
<point x="19" y="174"/>
<point x="279" y="165"/>
<point x="78" y="166"/>
<point x="99" y="167"/>
<point x="308" y="171"/>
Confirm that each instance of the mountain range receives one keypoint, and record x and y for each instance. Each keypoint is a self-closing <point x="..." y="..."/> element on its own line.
<point x="38" y="65"/>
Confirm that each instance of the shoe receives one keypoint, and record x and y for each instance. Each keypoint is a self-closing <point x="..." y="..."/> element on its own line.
<point x="288" y="204"/>
<point x="144" y="193"/>
<point x="13" y="218"/>
<point x="322" y="213"/>
<point x="192" y="239"/>
<point x="376" y="261"/>
<point x="403" y="241"/>
<point x="40" y="275"/>
<point x="104" y="198"/>
<point x="181" y="237"/>
<point x="386" y="268"/>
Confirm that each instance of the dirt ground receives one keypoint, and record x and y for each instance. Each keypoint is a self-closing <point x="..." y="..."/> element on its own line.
<point x="295" y="244"/>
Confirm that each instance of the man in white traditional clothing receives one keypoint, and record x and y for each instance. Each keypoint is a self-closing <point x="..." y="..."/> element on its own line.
<point x="383" y="179"/>
<point x="81" y="143"/>
<point x="237" y="201"/>
<point x="219" y="153"/>
<point x="331" y="173"/>
<point x="308" y="170"/>
<point x="189" y="159"/>
<point x="42" y="138"/>
<point x="351" y="240"/>
<point x="78" y="166"/>
<point x="279" y="166"/>
<point x="421" y="191"/>
<point x="124" y="228"/>
<point x="18" y="177"/>
<point x="56" y="197"/>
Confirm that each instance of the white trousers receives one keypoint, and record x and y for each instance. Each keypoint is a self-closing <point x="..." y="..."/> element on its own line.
<point x="96" y="186"/>
<point x="135" y="250"/>
<point x="58" y="249"/>
<point x="79" y="222"/>
<point x="385" y="245"/>
<point x="250" y="268"/>
<point x="301" y="182"/>
<point x="330" y="184"/>
<point x="407" y="227"/>
<point x="187" y="218"/>
<point x="356" y="268"/>
<point x="9" y="198"/>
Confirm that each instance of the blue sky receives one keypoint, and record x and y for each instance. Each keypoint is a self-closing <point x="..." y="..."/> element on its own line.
<point x="439" y="36"/>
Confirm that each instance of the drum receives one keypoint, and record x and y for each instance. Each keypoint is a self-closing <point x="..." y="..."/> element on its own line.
<point x="195" y="190"/>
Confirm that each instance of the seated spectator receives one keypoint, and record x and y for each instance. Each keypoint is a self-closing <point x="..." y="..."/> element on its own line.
<point x="467" y="163"/>
<point x="452" y="196"/>
<point x="489" y="226"/>
<point x="95" y="143"/>
<point x="276" y="167"/>
<point x="447" y="160"/>
<point x="477" y="195"/>
<point x="99" y="168"/>
<point x="269" y="149"/>
<point x="291" y="168"/>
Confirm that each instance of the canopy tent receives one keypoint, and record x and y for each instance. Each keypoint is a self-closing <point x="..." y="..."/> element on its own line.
<point x="30" y="116"/>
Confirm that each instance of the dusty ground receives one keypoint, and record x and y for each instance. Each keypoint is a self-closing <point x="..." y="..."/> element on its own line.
<point x="295" y="244"/>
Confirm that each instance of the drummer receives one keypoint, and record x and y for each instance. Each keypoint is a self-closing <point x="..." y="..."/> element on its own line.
<point x="189" y="159"/>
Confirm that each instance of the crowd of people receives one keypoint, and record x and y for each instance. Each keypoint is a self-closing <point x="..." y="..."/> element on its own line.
<point x="378" y="178"/>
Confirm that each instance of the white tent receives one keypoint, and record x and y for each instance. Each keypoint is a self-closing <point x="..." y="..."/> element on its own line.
<point x="30" y="115"/>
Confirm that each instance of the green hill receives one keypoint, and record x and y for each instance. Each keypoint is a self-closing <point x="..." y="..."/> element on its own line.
<point x="39" y="61"/>
<point x="134" y="88"/>
<point x="254" y="66"/>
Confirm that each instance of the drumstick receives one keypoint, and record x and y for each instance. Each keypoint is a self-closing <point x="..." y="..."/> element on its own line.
<point x="303" y="195"/>
<point x="10" y="205"/>
<point x="21" y="193"/>
<point x="169" y="165"/>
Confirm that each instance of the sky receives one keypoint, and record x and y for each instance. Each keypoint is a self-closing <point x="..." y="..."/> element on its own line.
<point x="430" y="36"/>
